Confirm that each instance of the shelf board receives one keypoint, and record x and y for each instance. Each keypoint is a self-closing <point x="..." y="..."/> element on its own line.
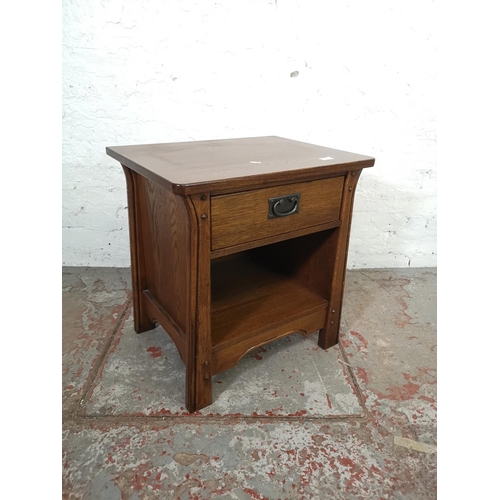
<point x="250" y="302"/>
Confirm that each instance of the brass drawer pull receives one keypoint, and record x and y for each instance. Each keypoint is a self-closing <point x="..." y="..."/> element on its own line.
<point x="281" y="206"/>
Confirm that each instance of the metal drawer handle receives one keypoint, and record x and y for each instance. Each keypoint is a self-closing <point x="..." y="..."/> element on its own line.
<point x="294" y="209"/>
<point x="290" y="203"/>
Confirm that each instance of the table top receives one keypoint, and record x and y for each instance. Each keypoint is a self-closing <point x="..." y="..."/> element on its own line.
<point x="222" y="165"/>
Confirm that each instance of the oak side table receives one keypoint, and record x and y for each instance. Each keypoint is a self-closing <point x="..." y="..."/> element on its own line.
<point x="236" y="243"/>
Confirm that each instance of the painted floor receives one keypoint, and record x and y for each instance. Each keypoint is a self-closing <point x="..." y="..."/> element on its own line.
<point x="290" y="421"/>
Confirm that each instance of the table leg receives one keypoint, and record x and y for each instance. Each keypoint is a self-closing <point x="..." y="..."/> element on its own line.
<point x="199" y="341"/>
<point x="141" y="321"/>
<point x="329" y="335"/>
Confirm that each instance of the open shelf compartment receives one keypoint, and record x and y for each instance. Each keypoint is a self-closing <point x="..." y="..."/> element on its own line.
<point x="260" y="295"/>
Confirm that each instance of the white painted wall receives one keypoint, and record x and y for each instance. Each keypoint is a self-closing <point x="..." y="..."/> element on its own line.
<point x="167" y="71"/>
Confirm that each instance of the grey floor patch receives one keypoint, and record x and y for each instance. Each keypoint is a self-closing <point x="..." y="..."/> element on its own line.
<point x="143" y="375"/>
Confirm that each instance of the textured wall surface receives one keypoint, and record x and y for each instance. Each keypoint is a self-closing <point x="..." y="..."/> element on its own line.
<point x="352" y="75"/>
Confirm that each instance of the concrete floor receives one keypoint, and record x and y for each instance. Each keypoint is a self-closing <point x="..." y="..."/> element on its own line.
<point x="291" y="421"/>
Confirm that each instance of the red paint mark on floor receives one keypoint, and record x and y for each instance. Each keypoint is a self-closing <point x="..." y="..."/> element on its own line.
<point x="141" y="476"/>
<point x="427" y="375"/>
<point x="259" y="350"/>
<point x="355" y="475"/>
<point x="110" y="458"/>
<point x="424" y="376"/>
<point x="404" y="392"/>
<point x="328" y="401"/>
<point x="360" y="338"/>
<point x="298" y="413"/>
<point x="427" y="398"/>
<point x="405" y="319"/>
<point x="154" y="351"/>
<point x="253" y="494"/>
<point x="163" y="411"/>
<point x="362" y="375"/>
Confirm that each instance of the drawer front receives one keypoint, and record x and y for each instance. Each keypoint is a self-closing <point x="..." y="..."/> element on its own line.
<point x="253" y="215"/>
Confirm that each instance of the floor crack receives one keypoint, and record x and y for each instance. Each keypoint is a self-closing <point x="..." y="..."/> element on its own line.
<point x="74" y="412"/>
<point x="350" y="369"/>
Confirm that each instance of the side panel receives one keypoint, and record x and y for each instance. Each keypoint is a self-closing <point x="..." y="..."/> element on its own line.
<point x="165" y="234"/>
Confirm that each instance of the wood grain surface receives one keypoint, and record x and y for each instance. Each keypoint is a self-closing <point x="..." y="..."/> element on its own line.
<point x="199" y="367"/>
<point x="210" y="266"/>
<point x="232" y="164"/>
<point x="252" y="304"/>
<point x="165" y="239"/>
<point x="308" y="259"/>
<point x="329" y="335"/>
<point x="142" y="322"/>
<point x="243" y="217"/>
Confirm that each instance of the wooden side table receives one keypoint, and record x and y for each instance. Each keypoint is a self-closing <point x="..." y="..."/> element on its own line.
<point x="236" y="243"/>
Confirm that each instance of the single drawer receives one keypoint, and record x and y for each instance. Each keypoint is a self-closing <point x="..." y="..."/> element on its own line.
<point x="253" y="215"/>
